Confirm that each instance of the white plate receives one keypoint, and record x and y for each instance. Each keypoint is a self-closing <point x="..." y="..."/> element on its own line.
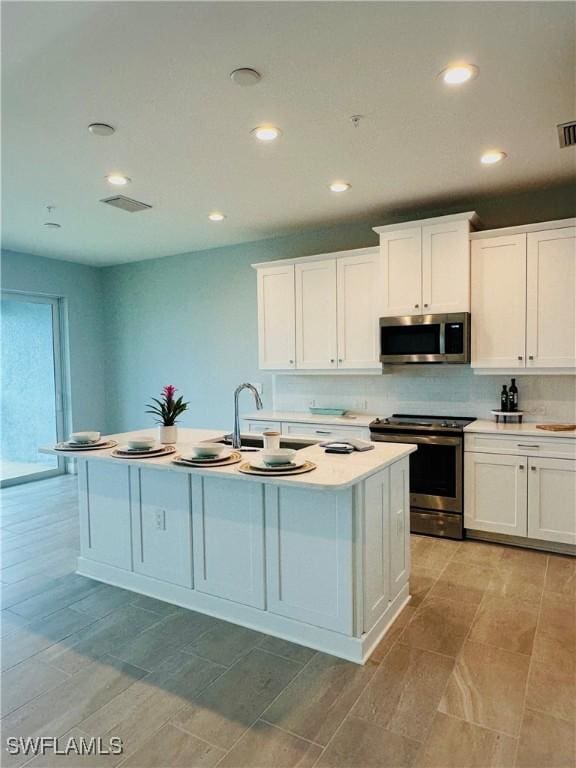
<point x="127" y="449"/>
<point x="262" y="466"/>
<point x="206" y="459"/>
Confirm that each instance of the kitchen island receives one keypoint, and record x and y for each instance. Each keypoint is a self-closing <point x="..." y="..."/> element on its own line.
<point x="321" y="559"/>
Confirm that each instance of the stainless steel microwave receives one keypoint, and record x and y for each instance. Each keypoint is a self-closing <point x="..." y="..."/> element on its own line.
<point x="425" y="338"/>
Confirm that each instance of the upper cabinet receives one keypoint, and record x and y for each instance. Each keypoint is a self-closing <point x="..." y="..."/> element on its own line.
<point x="426" y="265"/>
<point x="524" y="299"/>
<point x="321" y="313"/>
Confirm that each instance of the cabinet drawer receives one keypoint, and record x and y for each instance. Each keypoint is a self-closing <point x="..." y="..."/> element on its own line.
<point x="258" y="427"/>
<point x="324" y="431"/>
<point x="518" y="445"/>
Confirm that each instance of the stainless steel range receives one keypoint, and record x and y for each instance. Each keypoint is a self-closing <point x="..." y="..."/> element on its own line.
<point x="436" y="469"/>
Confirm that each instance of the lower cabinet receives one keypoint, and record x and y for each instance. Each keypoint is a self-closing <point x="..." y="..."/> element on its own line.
<point x="162" y="527"/>
<point x="525" y="496"/>
<point x="399" y="485"/>
<point x="228" y="535"/>
<point x="309" y="556"/>
<point x="324" y="431"/>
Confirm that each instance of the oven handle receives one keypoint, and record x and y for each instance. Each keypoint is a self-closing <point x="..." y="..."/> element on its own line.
<point x="424" y="439"/>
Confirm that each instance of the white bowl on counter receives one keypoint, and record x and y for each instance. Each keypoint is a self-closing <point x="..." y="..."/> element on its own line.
<point x="207" y="450"/>
<point x="142" y="443"/>
<point x="84" y="437"/>
<point x="278" y="456"/>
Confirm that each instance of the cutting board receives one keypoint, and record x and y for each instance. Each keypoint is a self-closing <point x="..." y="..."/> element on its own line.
<point x="557" y="427"/>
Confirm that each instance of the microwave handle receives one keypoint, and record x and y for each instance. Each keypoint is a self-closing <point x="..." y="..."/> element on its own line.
<point x="442" y="338"/>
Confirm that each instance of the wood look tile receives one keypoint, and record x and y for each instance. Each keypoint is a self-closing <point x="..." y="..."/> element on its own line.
<point x="552" y="690"/>
<point x="225" y="643"/>
<point x="404" y="693"/>
<point x="505" y="623"/>
<point x="546" y="742"/>
<point x="359" y="744"/>
<point x="462" y="582"/>
<point x="171" y="747"/>
<point x="431" y="553"/>
<point x="524" y="559"/>
<point x="478" y="553"/>
<point x="519" y="584"/>
<point x="561" y="575"/>
<point x="67" y="590"/>
<point x="393" y="634"/>
<point x="102" y="601"/>
<point x="455" y="743"/>
<point x="26" y="681"/>
<point x="487" y="687"/>
<point x="319" y="699"/>
<point x="421" y="582"/>
<point x="228" y="707"/>
<point x="264" y="746"/>
<point x="9" y="622"/>
<point x="558" y="616"/>
<point x="555" y="651"/>
<point x="72" y="760"/>
<point x="286" y="649"/>
<point x="439" y="625"/>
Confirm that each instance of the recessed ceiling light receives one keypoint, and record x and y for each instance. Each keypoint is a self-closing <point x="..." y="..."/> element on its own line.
<point x="340" y="186"/>
<point x="457" y="74"/>
<point x="216" y="216"/>
<point x="245" y="76"/>
<point x="117" y="179"/>
<point x="101" y="129"/>
<point x="492" y="156"/>
<point x="52" y="225"/>
<point x="266" y="132"/>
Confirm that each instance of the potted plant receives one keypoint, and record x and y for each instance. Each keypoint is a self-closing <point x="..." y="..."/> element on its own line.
<point x="166" y="410"/>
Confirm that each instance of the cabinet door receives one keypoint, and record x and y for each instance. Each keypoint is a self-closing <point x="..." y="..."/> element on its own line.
<point x="551" y="311"/>
<point x="276" y="317"/>
<point x="162" y="526"/>
<point x="359" y="309"/>
<point x="498" y="302"/>
<point x="552" y="500"/>
<point x="322" y="432"/>
<point x="402" y="267"/>
<point x="309" y="556"/>
<point x="316" y="314"/>
<point x="495" y="493"/>
<point x="228" y="526"/>
<point x="376" y="547"/>
<point x="105" y="530"/>
<point x="399" y="526"/>
<point x="446" y="267"/>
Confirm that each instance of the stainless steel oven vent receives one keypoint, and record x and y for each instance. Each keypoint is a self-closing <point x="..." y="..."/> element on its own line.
<point x="125" y="203"/>
<point x="567" y="134"/>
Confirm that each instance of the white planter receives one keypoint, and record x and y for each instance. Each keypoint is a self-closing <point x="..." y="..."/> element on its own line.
<point x="168" y="435"/>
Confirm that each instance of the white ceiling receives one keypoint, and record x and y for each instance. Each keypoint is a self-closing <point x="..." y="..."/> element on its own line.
<point x="158" y="71"/>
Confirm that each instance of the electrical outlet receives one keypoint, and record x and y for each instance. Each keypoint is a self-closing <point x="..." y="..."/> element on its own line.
<point x="311" y="403"/>
<point x="160" y="519"/>
<point x="359" y="405"/>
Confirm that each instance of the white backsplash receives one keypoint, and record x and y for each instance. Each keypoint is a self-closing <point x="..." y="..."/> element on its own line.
<point x="449" y="391"/>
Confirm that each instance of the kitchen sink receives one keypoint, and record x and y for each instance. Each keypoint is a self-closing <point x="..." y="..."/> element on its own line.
<point x="254" y="441"/>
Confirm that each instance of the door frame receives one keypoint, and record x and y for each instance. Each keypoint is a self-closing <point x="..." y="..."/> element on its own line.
<point x="61" y="378"/>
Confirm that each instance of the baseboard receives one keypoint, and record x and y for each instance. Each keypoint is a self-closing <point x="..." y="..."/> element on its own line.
<point x="520" y="541"/>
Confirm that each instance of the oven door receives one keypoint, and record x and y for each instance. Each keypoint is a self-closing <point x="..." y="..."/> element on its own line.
<point x="435" y="470"/>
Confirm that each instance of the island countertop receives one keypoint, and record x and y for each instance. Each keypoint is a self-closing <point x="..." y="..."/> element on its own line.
<point x="333" y="471"/>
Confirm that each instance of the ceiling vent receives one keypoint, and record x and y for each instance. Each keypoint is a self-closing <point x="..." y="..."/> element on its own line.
<point x="567" y="134"/>
<point x="125" y="203"/>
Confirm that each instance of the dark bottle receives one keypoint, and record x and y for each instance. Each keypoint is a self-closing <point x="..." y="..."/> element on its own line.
<point x="504" y="398"/>
<point x="513" y="396"/>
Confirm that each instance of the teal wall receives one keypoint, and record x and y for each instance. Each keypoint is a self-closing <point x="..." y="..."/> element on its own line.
<point x="81" y="287"/>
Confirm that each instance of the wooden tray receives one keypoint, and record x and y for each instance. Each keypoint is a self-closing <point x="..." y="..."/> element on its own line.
<point x="248" y="470"/>
<point x="167" y="450"/>
<point x="557" y="427"/>
<point x="100" y="446"/>
<point x="234" y="458"/>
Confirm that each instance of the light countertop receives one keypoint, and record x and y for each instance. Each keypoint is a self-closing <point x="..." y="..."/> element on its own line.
<point x="490" y="427"/>
<point x="333" y="472"/>
<point x="305" y="417"/>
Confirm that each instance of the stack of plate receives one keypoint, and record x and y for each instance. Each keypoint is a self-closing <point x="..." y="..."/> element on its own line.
<point x="258" y="466"/>
<point x="226" y="457"/>
<point x="100" y="444"/>
<point x="156" y="451"/>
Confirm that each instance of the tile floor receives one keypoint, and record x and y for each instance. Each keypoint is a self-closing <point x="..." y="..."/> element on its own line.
<point x="478" y="672"/>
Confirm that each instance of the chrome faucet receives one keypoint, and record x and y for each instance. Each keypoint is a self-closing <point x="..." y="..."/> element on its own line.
<point x="236" y="442"/>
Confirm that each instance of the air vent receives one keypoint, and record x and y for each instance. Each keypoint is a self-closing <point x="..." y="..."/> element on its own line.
<point x="567" y="134"/>
<point x="126" y="203"/>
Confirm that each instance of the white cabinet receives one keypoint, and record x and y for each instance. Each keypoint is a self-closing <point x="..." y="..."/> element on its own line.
<point x="524" y="300"/>
<point x="376" y="546"/>
<point x="228" y="527"/>
<point x="105" y="527"/>
<point x="426" y="266"/>
<point x="552" y="500"/>
<point x="162" y="525"/>
<point x="324" y="431"/>
<point x="359" y="307"/>
<point x="551" y="299"/>
<point x="257" y="427"/>
<point x="495" y="498"/>
<point x="399" y="526"/>
<point x="276" y="317"/>
<point x="316" y="342"/>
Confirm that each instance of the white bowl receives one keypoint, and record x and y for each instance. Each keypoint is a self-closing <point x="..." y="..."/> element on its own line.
<point x="141" y="443"/>
<point x="207" y="450"/>
<point x="84" y="437"/>
<point x="278" y="455"/>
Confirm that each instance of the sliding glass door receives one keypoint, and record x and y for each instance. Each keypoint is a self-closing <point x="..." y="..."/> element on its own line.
<point x="32" y="411"/>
